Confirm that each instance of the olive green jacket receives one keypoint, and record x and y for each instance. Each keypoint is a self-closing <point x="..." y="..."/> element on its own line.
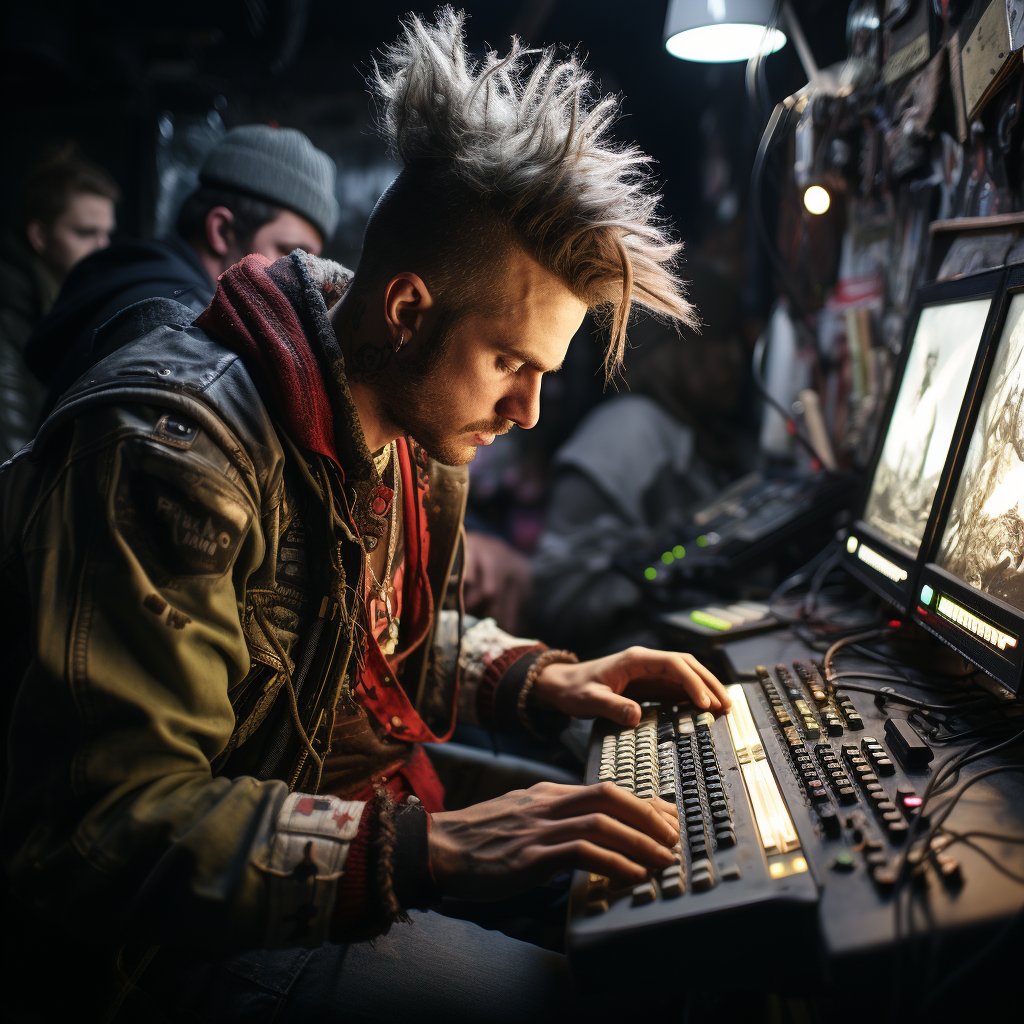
<point x="150" y="613"/>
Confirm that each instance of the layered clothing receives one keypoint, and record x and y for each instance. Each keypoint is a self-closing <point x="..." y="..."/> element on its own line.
<point x="231" y="759"/>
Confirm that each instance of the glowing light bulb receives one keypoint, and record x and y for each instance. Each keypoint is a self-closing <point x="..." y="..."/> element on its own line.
<point x="817" y="200"/>
<point x="724" y="43"/>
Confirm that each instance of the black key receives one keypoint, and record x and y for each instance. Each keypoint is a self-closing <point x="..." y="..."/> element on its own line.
<point x="897" y="830"/>
<point x="847" y="795"/>
<point x="819" y="794"/>
<point x="719" y="805"/>
<point x="830" y="821"/>
<point x="722" y="816"/>
<point x="885" y="805"/>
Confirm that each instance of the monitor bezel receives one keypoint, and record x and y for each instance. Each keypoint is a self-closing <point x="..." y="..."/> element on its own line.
<point x="1007" y="670"/>
<point x="990" y="284"/>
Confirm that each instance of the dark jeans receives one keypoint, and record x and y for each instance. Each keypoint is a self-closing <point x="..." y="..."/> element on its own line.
<point x="438" y="968"/>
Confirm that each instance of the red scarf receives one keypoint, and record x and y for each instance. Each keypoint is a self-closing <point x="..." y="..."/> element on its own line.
<point x="253" y="316"/>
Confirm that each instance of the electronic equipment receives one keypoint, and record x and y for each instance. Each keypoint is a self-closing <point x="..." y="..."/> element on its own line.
<point x="937" y="379"/>
<point x="971" y="592"/>
<point x="742" y="526"/>
<point x="793" y="815"/>
<point x="713" y="622"/>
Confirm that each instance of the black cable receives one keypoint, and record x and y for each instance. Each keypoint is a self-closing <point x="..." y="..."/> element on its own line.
<point x="805" y="572"/>
<point x="818" y="580"/>
<point x="997" y="837"/>
<point x="755" y="206"/>
<point x="757" y="372"/>
<point x="954" y="763"/>
<point x="869" y="634"/>
<point x="898" y="698"/>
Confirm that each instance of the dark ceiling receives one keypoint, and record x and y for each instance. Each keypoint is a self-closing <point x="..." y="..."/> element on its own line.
<point x="102" y="72"/>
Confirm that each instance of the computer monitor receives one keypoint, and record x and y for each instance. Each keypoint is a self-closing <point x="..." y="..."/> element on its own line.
<point x="925" y="415"/>
<point x="971" y="593"/>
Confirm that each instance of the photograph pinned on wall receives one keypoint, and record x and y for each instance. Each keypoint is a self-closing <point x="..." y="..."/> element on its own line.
<point x="924" y="417"/>
<point x="983" y="543"/>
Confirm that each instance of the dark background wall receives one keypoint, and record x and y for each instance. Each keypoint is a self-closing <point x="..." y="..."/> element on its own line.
<point x="141" y="86"/>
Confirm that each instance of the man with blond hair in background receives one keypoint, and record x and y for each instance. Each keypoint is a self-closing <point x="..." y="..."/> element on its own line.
<point x="238" y="645"/>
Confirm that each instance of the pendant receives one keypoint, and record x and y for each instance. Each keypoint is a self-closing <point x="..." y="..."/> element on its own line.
<point x="388" y="646"/>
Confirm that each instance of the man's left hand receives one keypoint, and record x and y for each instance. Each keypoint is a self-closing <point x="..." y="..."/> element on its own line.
<point x="592" y="689"/>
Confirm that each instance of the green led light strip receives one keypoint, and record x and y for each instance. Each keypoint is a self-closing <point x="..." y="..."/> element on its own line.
<point x="703" y="618"/>
<point x="880" y="564"/>
<point x="984" y="630"/>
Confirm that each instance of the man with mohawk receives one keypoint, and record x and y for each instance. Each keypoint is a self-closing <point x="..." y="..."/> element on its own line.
<point x="226" y="557"/>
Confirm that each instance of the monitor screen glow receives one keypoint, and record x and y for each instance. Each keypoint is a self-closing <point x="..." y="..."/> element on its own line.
<point x="924" y="418"/>
<point x="983" y="541"/>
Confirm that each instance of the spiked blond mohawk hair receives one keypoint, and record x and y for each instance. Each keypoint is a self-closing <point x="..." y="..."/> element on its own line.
<point x="534" y="147"/>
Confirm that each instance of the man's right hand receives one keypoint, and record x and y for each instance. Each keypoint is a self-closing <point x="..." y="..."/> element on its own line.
<point x="506" y="845"/>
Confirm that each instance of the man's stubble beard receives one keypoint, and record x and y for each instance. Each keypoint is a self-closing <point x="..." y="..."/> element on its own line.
<point x="416" y="399"/>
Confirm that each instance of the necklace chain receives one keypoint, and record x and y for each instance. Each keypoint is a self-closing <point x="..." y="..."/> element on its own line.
<point x="383" y="586"/>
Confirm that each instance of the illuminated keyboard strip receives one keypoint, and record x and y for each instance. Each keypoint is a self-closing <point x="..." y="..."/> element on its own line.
<point x="774" y="824"/>
<point x="979" y="627"/>
<point x="881" y="564"/>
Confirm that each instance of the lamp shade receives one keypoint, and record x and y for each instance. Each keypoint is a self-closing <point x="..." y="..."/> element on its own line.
<point x="720" y="31"/>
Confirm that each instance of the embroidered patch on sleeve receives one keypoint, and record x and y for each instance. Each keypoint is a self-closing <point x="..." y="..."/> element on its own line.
<point x="179" y="519"/>
<point x="307" y="855"/>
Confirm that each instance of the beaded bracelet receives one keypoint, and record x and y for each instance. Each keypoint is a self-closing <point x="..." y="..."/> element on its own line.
<point x="547" y="658"/>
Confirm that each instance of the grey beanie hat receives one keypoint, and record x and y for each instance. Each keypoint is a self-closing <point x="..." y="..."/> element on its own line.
<point x="279" y="165"/>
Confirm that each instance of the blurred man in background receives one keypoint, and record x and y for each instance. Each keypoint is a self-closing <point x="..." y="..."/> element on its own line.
<point x="65" y="212"/>
<point x="261" y="190"/>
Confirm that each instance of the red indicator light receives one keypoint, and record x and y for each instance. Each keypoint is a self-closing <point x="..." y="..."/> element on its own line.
<point x="912" y="801"/>
<point x="895" y="623"/>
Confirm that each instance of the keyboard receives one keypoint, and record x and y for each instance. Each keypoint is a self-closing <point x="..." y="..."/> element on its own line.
<point x="789" y="803"/>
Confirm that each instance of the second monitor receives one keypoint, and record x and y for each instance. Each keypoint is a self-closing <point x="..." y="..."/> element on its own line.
<point x="925" y="418"/>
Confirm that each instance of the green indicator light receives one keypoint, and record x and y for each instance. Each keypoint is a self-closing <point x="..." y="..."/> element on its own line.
<point x="702" y="541"/>
<point x="926" y="595"/>
<point x="650" y="573"/>
<point x="679" y="551"/>
<point x="668" y="558"/>
<point x="851" y="544"/>
<point x="711" y="621"/>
